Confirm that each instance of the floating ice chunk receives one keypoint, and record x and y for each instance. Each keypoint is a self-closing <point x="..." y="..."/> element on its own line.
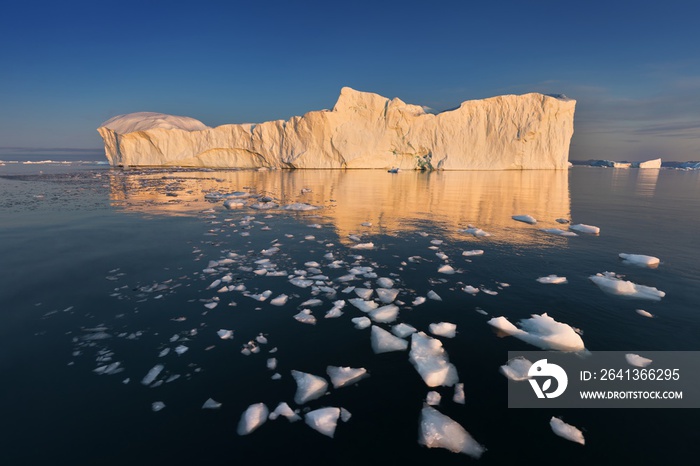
<point x="446" y="269"/>
<point x="283" y="409"/>
<point x="323" y="420"/>
<point x="109" y="369"/>
<point x="364" y="293"/>
<point x="272" y="364"/>
<point x="305" y="317"/>
<point x="261" y="339"/>
<point x="470" y="289"/>
<point x="276" y="376"/>
<point x="312" y="264"/>
<point x="433" y="398"/>
<point x="364" y="306"/>
<point x="264" y="205"/>
<point x="384" y="282"/>
<point x="431" y="361"/>
<point x="369" y="245"/>
<point x="211" y="404"/>
<point x="384" y="342"/>
<point x="567" y="431"/>
<point x="181" y="349"/>
<point x="225" y="334"/>
<point x="262" y="296"/>
<point x="403" y="330"/>
<point x="552" y="280"/>
<point x="157" y="406"/>
<point x="333" y="313"/>
<point x="152" y="374"/>
<point x="418" y="301"/>
<point x="637" y="360"/>
<point x="309" y="387"/>
<point x="312" y="302"/>
<point x="301" y="283"/>
<point x="433" y="295"/>
<point x="214" y="284"/>
<point x="609" y="283"/>
<point x="542" y="331"/>
<point x="233" y="204"/>
<point x="562" y="220"/>
<point x="458" y="396"/>
<point x="211" y="305"/>
<point x="473" y="252"/>
<point x="387" y="295"/>
<point x="361" y="322"/>
<point x="442" y="256"/>
<point x="478" y="232"/>
<point x="300" y="206"/>
<point x="443" y="329"/>
<point x="644" y="313"/>
<point x="164" y="352"/>
<point x="440" y="431"/>
<point x="342" y="376"/>
<point x="280" y="300"/>
<point x="558" y="231"/>
<point x="516" y="369"/>
<point x="525" y="218"/>
<point x="252" y="418"/>
<point x="582" y="228"/>
<point x="345" y="415"/>
<point x="640" y="260"/>
<point x="385" y="314"/>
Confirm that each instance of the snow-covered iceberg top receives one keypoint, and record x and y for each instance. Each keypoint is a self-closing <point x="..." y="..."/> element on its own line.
<point x="363" y="130"/>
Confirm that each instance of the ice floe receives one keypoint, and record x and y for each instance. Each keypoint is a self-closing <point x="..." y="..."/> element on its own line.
<point x="516" y="369"/>
<point x="364" y="306"/>
<point x="443" y="329"/>
<point x="305" y="317"/>
<point x="309" y="387"/>
<point x="368" y="245"/>
<point x="384" y="282"/>
<point x="418" y="300"/>
<point x="300" y="206"/>
<point x="271" y="364"/>
<point x="558" y="231"/>
<point x="433" y="295"/>
<point x="361" y="322"/>
<point x="211" y="404"/>
<point x="385" y="314"/>
<point x="552" y="280"/>
<point x="637" y="360"/>
<point x="387" y="295"/>
<point x="402" y="330"/>
<point x="384" y="342"/>
<point x="284" y="410"/>
<point x="473" y="252"/>
<point x="433" y="398"/>
<point x="583" y="228"/>
<point x="611" y="284"/>
<point x="458" y="396"/>
<point x="567" y="431"/>
<point x="152" y="374"/>
<point x="323" y="420"/>
<point x="446" y="269"/>
<point x="252" y="418"/>
<point x="542" y="331"/>
<point x="157" y="406"/>
<point x="478" y="232"/>
<point x="640" y="260"/>
<point x="342" y="376"/>
<point x="440" y="431"/>
<point x="470" y="289"/>
<point x="525" y="218"/>
<point x="431" y="361"/>
<point x="644" y="313"/>
<point x="280" y="300"/>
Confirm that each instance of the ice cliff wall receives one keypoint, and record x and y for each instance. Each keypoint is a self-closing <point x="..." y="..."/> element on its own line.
<point x="364" y="130"/>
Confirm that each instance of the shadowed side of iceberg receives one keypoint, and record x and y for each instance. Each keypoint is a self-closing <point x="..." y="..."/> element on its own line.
<point x="364" y="130"/>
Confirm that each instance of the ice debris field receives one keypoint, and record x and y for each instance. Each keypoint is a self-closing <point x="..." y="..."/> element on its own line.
<point x="336" y="280"/>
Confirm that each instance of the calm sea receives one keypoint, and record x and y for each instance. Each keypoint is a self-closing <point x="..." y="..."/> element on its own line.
<point x="102" y="266"/>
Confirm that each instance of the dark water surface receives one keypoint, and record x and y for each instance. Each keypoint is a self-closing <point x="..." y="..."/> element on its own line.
<point x="102" y="266"/>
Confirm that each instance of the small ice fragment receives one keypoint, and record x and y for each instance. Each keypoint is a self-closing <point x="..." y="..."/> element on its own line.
<point x="364" y="306"/>
<point x="283" y="409"/>
<point x="305" y="317"/>
<point x="211" y="404"/>
<point x="387" y="295"/>
<point x="481" y="311"/>
<point x="280" y="300"/>
<point x="567" y="431"/>
<point x="342" y="376"/>
<point x="369" y="245"/>
<point x="262" y="339"/>
<point x="214" y="284"/>
<point x="542" y="331"/>
<point x="402" y="330"/>
<point x="345" y="415"/>
<point x="366" y="224"/>
<point x="562" y="220"/>
<point x="272" y="364"/>
<point x="458" y="396"/>
<point x="583" y="228"/>
<point x="446" y="269"/>
<point x="301" y="283"/>
<point x="252" y="418"/>
<point x="384" y="342"/>
<point x="309" y="387"/>
<point x="640" y="260"/>
<point x="434" y="295"/>
<point x="300" y="206"/>
<point x="164" y="352"/>
<point x="181" y="349"/>
<point x="442" y="256"/>
<point x="478" y="232"/>
<point x="157" y="406"/>
<point x="516" y="369"/>
<point x="385" y="314"/>
<point x="364" y="293"/>
<point x="312" y="264"/>
<point x="433" y="398"/>
<point x="609" y="283"/>
<point x="225" y="334"/>
<point x="431" y="361"/>
<point x="473" y="252"/>
<point x="333" y="313"/>
<point x="311" y="302"/>
<point x="418" y="301"/>
<point x="361" y="322"/>
<point x="211" y="305"/>
<point x="525" y="218"/>
<point x="637" y="360"/>
<point x="152" y="374"/>
<point x="644" y="313"/>
<point x="276" y="376"/>
<point x="552" y="280"/>
<point x="440" y="431"/>
<point x="384" y="282"/>
<point x="558" y="232"/>
<point x="324" y="420"/>
<point x="470" y="289"/>
<point x="443" y="329"/>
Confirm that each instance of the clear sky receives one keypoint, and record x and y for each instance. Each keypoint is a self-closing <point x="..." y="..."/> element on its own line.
<point x="65" y="67"/>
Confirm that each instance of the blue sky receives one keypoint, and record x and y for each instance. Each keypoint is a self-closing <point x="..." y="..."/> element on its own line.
<point x="65" y="67"/>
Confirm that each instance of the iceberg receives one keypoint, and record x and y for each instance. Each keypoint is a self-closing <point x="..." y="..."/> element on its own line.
<point x="363" y="130"/>
<point x="440" y="431"/>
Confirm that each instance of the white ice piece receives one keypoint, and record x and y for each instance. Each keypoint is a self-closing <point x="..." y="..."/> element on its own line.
<point x="542" y="331"/>
<point x="211" y="404"/>
<point x="473" y="252"/>
<point x="434" y="296"/>
<point x="283" y="409"/>
<point x="637" y="360"/>
<point x="583" y="228"/>
<point x="384" y="342"/>
<point x="271" y="364"/>
<point x="640" y="260"/>
<point x="516" y="369"/>
<point x="305" y="317"/>
<point x="364" y="293"/>
<point x="458" y="396"/>
<point x="567" y="431"/>
<point x="403" y="330"/>
<point x="644" y="313"/>
<point x="433" y="398"/>
<point x="280" y="300"/>
<point x="157" y="406"/>
<point x="384" y="282"/>
<point x="431" y="361"/>
<point x="181" y="349"/>
<point x="552" y="280"/>
<point x="558" y="232"/>
<point x="252" y="418"/>
<point x="525" y="218"/>
<point x="418" y="301"/>
<point x="385" y="314"/>
<point x="342" y="376"/>
<point x="478" y="232"/>
<point x="323" y="420"/>
<point x="225" y="334"/>
<point x="440" y="431"/>
<point x="300" y="206"/>
<point x="345" y="415"/>
<point x="309" y="387"/>
<point x="369" y="245"/>
<point x="446" y="269"/>
<point x="152" y="374"/>
<point x="361" y="322"/>
<point x="364" y="306"/>
<point x="387" y="295"/>
<point x="609" y="283"/>
<point x="470" y="289"/>
<point x="443" y="329"/>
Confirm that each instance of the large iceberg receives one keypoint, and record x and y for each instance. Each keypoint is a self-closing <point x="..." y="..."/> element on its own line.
<point x="364" y="130"/>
